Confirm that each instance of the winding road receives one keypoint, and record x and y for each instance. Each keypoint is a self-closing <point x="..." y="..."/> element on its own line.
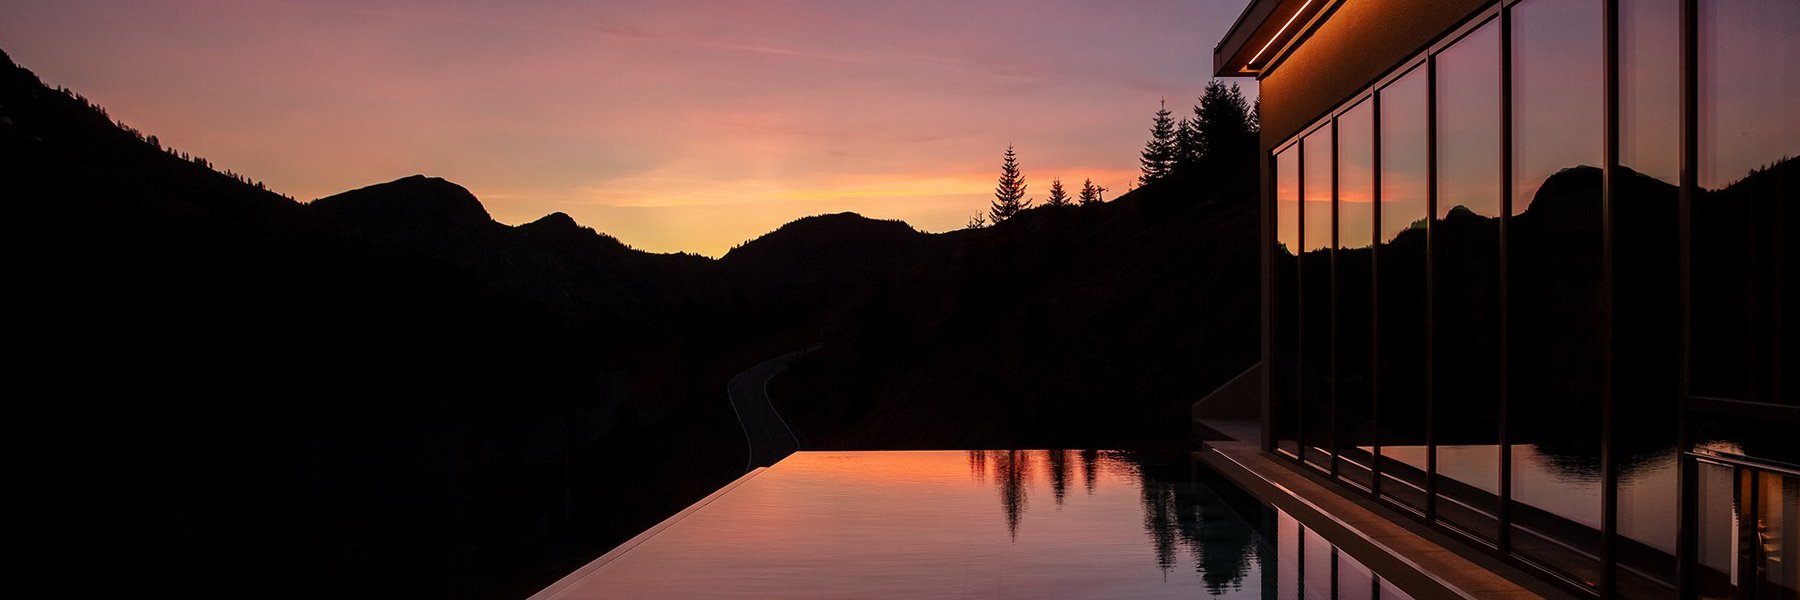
<point x="769" y="437"/>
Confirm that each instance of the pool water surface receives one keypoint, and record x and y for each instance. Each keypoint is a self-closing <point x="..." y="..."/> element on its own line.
<point x="973" y="524"/>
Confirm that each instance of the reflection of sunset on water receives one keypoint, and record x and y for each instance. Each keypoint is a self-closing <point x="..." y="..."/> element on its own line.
<point x="976" y="524"/>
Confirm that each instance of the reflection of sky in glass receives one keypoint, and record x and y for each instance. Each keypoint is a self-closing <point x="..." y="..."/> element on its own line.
<point x="1650" y="87"/>
<point x="1558" y="94"/>
<point x="1468" y="120"/>
<point x="1749" y="78"/>
<point x="1651" y="522"/>
<point x="1287" y="198"/>
<point x="1356" y="177"/>
<point x="1558" y="97"/>
<point x="1646" y="501"/>
<point x="1317" y="187"/>
<point x="1404" y="153"/>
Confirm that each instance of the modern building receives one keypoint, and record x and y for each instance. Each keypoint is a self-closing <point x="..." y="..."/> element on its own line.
<point x="1525" y="276"/>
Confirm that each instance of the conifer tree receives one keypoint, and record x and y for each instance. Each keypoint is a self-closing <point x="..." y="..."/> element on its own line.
<point x="1187" y="143"/>
<point x="1225" y="125"/>
<point x="1159" y="153"/>
<point x="1089" y="193"/>
<point x="1009" y="193"/>
<point x="1058" y="197"/>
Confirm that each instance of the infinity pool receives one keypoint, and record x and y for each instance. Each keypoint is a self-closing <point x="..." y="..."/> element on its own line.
<point x="977" y="524"/>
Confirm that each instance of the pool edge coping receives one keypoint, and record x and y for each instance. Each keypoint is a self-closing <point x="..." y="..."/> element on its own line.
<point x="576" y="577"/>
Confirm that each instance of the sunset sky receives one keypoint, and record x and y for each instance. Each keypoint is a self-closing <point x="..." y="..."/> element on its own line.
<point x="686" y="126"/>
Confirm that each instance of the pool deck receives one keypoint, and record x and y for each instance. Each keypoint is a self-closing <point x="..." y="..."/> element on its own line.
<point x="1422" y="562"/>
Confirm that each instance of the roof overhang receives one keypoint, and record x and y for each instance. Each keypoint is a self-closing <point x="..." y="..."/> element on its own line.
<point x="1262" y="34"/>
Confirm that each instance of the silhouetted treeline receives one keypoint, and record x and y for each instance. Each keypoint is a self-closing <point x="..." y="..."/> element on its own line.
<point x="1221" y="135"/>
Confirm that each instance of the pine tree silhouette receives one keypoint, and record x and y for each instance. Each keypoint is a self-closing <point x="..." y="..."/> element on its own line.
<point x="1159" y="153"/>
<point x="1089" y="193"/>
<point x="1224" y="124"/>
<point x="1057" y="197"/>
<point x="1187" y="142"/>
<point x="1009" y="194"/>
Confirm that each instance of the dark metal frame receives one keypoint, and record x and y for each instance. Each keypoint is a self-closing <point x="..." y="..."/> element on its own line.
<point x="1609" y="471"/>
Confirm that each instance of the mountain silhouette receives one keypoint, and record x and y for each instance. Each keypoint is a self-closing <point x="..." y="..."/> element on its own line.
<point x="826" y="260"/>
<point x="415" y="206"/>
<point x="386" y="394"/>
<point x="1095" y="326"/>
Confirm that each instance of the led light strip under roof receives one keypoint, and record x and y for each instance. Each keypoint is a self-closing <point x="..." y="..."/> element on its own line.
<point x="1277" y="36"/>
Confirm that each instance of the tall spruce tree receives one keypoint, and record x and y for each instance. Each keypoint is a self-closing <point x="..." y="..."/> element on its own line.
<point x="1009" y="193"/>
<point x="1187" y="142"/>
<point x="1225" y="125"/>
<point x="1057" y="197"/>
<point x="1089" y="193"/>
<point x="1159" y="153"/>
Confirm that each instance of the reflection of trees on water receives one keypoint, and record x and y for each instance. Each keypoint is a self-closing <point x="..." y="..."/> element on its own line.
<point x="1181" y="514"/>
<point x="1059" y="474"/>
<point x="1178" y="514"/>
<point x="978" y="464"/>
<point x="1011" y="472"/>
<point x="1162" y="519"/>
<point x="1088" y="458"/>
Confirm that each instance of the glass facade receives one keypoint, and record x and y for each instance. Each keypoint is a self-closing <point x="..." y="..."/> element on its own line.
<point x="1400" y="304"/>
<point x="1465" y="285"/>
<point x="1529" y="286"/>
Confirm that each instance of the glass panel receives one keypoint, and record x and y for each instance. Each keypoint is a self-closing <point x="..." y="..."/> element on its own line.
<point x="1717" y="550"/>
<point x="1355" y="290"/>
<point x="1315" y="302"/>
<point x="1557" y="312"/>
<point x="1777" y="530"/>
<point x="1466" y="283"/>
<point x="1318" y="563"/>
<point x="1354" y="581"/>
<point x="1405" y="158"/>
<point x="1286" y="394"/>
<point x="1748" y="134"/>
<point x="1647" y="519"/>
<point x="1646" y="294"/>
<point x="1650" y="88"/>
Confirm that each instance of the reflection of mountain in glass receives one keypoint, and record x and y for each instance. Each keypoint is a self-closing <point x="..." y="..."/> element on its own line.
<point x="1557" y="308"/>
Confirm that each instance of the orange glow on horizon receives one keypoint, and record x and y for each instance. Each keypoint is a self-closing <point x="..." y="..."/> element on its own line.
<point x="691" y="128"/>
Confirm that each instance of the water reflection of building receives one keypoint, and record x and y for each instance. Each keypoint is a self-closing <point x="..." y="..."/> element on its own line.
<point x="1525" y="275"/>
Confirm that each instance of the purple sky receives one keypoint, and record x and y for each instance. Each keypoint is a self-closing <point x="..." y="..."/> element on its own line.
<point x="673" y="125"/>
